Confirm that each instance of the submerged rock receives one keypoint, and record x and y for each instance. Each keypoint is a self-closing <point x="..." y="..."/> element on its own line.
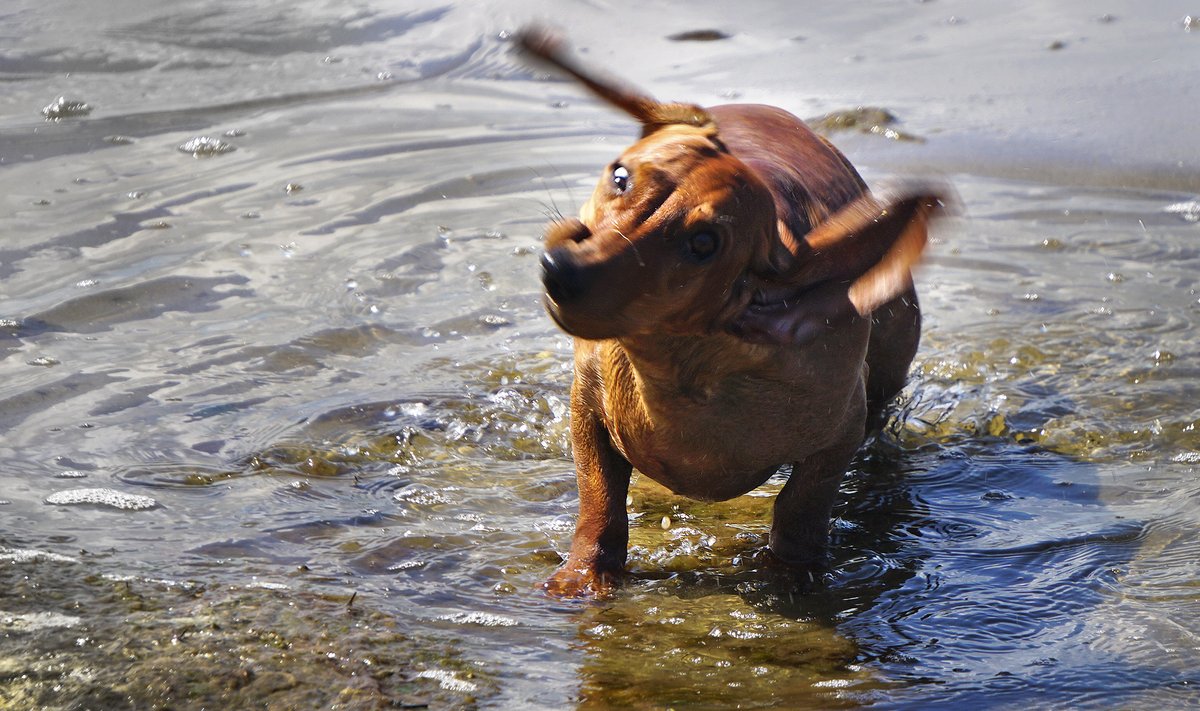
<point x="707" y="35"/>
<point x="167" y="644"/>
<point x="62" y="108"/>
<point x="864" y="119"/>
<point x="206" y="146"/>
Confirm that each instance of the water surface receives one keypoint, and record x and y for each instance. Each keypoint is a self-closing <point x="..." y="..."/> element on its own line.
<point x="284" y="422"/>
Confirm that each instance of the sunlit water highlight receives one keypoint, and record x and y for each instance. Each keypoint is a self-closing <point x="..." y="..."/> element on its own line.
<point x="300" y="401"/>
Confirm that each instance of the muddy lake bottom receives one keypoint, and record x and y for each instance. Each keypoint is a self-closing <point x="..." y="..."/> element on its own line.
<point x="285" y="426"/>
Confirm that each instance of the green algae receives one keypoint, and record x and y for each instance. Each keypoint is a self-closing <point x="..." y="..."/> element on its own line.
<point x="862" y="119"/>
<point x="92" y="641"/>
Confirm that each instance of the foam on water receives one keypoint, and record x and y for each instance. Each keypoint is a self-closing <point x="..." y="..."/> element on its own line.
<point x="103" y="497"/>
<point x="448" y="680"/>
<point x="26" y="555"/>
<point x="1188" y="210"/>
<point x="480" y="618"/>
<point x="34" y="621"/>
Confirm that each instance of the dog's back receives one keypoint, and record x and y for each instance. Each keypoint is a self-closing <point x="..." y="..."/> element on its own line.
<point x="809" y="180"/>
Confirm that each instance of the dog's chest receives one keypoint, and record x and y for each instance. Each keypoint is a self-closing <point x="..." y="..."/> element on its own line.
<point x="719" y="439"/>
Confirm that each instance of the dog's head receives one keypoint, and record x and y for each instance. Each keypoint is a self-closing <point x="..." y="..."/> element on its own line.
<point x="681" y="237"/>
<point x="659" y="246"/>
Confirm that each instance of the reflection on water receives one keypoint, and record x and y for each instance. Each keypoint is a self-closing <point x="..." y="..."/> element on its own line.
<point x="319" y="367"/>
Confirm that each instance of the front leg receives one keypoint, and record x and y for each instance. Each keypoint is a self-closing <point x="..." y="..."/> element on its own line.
<point x="600" y="546"/>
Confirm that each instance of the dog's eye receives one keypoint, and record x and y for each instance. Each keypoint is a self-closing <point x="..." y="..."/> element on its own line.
<point x="620" y="178"/>
<point x="702" y="245"/>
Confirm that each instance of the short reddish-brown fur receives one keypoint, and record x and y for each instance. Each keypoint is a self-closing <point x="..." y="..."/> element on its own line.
<point x="739" y="301"/>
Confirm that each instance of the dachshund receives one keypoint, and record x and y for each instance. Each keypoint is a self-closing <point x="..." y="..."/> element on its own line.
<point x="739" y="301"/>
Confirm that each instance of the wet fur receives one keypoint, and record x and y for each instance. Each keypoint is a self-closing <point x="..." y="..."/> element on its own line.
<point x="708" y="374"/>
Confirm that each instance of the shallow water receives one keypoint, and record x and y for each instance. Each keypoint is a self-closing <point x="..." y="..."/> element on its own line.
<point x="299" y="399"/>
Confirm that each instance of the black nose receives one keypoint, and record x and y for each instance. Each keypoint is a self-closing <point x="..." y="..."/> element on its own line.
<point x="565" y="280"/>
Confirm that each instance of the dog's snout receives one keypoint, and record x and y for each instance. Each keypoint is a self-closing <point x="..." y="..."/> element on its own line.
<point x="566" y="230"/>
<point x="565" y="280"/>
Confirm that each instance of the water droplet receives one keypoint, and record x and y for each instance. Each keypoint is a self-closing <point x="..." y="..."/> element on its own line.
<point x="135" y="194"/>
<point x="234" y="133"/>
<point x="206" y="147"/>
<point x="414" y="409"/>
<point x="1115" y="277"/>
<point x="292" y="188"/>
<point x="119" y="140"/>
<point x="85" y="283"/>
<point x="44" y="362"/>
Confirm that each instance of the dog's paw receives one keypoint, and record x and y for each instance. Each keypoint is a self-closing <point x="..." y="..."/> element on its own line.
<point x="572" y="581"/>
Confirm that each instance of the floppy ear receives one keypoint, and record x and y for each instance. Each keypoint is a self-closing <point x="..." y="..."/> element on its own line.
<point x="858" y="259"/>
<point x="551" y="47"/>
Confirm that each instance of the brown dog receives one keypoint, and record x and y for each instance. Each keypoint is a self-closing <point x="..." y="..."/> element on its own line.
<point x="739" y="301"/>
